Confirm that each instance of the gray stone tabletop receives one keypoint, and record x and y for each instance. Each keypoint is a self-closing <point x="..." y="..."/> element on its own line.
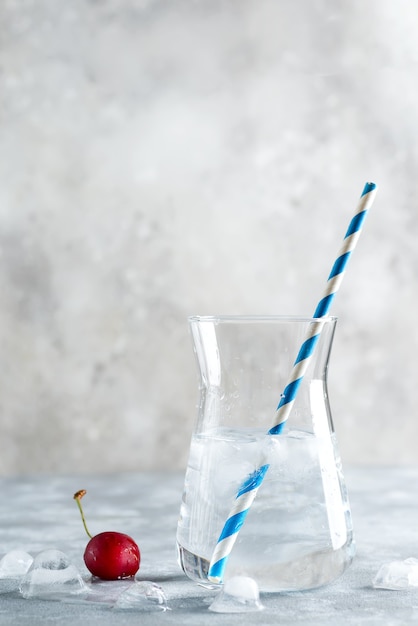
<point x="38" y="513"/>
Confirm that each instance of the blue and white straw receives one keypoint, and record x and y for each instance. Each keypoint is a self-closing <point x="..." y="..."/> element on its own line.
<point x="249" y="488"/>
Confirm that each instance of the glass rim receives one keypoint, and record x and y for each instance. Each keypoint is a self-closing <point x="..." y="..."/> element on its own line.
<point x="260" y="318"/>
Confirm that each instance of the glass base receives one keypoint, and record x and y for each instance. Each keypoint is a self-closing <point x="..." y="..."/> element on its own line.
<point x="195" y="567"/>
<point x="307" y="572"/>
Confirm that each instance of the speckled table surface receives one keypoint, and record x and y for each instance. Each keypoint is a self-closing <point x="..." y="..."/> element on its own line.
<point x="38" y="512"/>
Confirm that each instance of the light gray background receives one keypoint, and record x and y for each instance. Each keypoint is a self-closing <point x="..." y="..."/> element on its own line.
<point x="160" y="158"/>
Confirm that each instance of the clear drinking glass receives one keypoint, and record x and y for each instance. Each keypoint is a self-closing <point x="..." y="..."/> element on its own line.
<point x="298" y="532"/>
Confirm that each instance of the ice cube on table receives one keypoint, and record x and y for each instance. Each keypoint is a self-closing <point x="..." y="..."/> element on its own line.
<point x="52" y="574"/>
<point x="13" y="566"/>
<point x="142" y="596"/>
<point x="15" y="563"/>
<point x="397" y="575"/>
<point x="239" y="594"/>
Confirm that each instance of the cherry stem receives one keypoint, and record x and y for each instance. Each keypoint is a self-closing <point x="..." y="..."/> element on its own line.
<point x="77" y="497"/>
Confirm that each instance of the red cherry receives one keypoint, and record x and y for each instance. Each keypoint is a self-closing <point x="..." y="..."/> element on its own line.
<point x="112" y="555"/>
<point x="109" y="555"/>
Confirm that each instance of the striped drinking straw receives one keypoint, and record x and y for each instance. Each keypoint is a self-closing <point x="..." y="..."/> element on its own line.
<point x="250" y="486"/>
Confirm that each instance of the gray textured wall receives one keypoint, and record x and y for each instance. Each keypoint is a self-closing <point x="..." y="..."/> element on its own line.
<point x="160" y="158"/>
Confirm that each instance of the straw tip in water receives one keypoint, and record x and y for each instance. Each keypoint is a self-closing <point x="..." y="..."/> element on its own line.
<point x="368" y="187"/>
<point x="217" y="580"/>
